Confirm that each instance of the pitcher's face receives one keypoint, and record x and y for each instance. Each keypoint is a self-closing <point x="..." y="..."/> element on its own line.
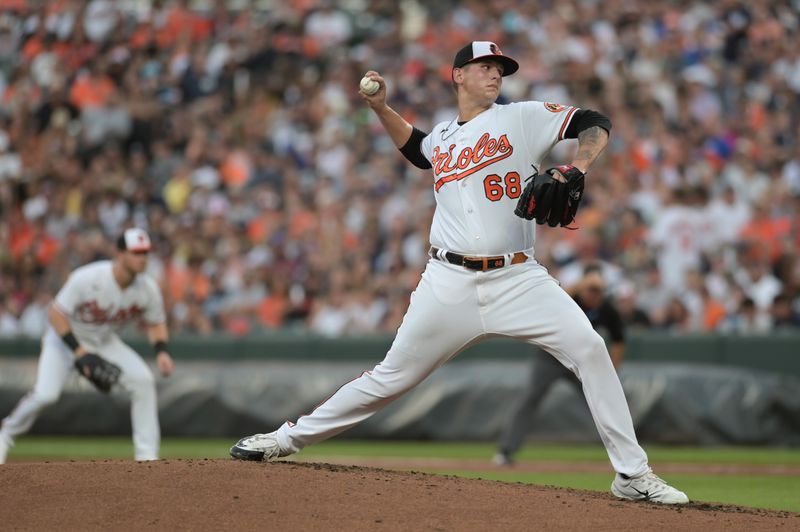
<point x="480" y="80"/>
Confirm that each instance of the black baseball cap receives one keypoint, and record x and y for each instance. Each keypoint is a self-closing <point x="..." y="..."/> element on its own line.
<point x="477" y="50"/>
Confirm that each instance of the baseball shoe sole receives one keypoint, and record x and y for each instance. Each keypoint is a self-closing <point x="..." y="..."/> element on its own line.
<point x="647" y="487"/>
<point x="258" y="448"/>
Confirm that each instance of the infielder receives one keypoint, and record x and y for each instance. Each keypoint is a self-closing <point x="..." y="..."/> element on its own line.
<point x="482" y="280"/>
<point x="589" y="294"/>
<point x="96" y="300"/>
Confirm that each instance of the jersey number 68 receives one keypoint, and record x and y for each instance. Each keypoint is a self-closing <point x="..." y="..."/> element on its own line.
<point x="495" y="186"/>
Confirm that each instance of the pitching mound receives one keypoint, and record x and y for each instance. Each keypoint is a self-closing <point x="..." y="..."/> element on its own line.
<point x="231" y="495"/>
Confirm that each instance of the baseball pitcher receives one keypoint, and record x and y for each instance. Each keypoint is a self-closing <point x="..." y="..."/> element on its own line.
<point x="482" y="279"/>
<point x="96" y="300"/>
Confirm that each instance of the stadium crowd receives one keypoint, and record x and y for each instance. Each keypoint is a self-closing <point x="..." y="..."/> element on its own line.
<point x="233" y="132"/>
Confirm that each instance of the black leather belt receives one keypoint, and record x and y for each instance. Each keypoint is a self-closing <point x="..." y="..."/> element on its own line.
<point x="477" y="263"/>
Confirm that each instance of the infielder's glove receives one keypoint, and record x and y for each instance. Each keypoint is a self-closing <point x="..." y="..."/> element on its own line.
<point x="550" y="201"/>
<point x="100" y="372"/>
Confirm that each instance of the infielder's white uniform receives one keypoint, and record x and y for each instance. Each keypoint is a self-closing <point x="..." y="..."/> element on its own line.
<point x="96" y="306"/>
<point x="479" y="171"/>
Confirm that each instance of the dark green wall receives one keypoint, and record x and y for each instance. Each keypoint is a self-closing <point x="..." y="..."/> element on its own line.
<point x="775" y="352"/>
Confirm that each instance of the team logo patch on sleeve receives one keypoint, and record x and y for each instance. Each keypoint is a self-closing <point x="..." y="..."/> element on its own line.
<point x="554" y="107"/>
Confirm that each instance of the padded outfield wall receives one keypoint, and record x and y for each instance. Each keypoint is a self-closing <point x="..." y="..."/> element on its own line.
<point x="688" y="390"/>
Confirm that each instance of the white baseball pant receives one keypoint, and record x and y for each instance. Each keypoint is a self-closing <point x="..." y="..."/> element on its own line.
<point x="453" y="308"/>
<point x="56" y="365"/>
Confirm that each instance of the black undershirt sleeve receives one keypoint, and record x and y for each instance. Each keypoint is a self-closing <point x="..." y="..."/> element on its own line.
<point x="412" y="150"/>
<point x="583" y="119"/>
<point x="613" y="322"/>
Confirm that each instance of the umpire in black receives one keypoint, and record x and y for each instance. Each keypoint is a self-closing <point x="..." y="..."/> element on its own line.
<point x="589" y="293"/>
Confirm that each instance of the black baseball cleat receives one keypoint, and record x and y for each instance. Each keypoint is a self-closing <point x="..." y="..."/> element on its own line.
<point x="258" y="448"/>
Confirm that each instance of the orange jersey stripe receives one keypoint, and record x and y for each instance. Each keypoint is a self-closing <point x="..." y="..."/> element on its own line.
<point x="465" y="173"/>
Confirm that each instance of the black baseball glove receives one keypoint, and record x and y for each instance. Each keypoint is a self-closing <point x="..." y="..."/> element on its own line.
<point x="548" y="200"/>
<point x="100" y="372"/>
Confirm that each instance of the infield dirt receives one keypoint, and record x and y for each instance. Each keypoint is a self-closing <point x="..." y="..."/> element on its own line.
<point x="230" y="495"/>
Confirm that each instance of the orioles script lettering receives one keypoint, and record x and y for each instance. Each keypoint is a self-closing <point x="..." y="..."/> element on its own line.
<point x="91" y="312"/>
<point x="486" y="151"/>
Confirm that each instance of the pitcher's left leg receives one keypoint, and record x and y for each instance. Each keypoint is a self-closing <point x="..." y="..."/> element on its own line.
<point x="441" y="320"/>
<point x="138" y="381"/>
<point x="535" y="309"/>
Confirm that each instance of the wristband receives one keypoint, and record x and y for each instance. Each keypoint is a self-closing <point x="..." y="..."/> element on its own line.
<point x="69" y="339"/>
<point x="160" y="346"/>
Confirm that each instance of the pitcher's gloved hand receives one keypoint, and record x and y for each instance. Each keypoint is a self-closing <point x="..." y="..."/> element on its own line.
<point x="548" y="200"/>
<point x="100" y="372"/>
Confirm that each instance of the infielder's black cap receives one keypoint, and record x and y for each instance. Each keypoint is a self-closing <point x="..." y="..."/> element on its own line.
<point x="477" y="50"/>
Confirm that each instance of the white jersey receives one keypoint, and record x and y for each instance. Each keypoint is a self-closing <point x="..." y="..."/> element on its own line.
<point x="679" y="232"/>
<point x="479" y="171"/>
<point x="97" y="306"/>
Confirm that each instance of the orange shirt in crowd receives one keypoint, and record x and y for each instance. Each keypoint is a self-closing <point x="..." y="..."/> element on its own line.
<point x="183" y="282"/>
<point x="236" y="168"/>
<point x="182" y="22"/>
<point x="301" y="222"/>
<point x="713" y="314"/>
<point x="13" y="5"/>
<point x="32" y="48"/>
<point x="261" y="227"/>
<point x="270" y="311"/>
<point x="25" y="238"/>
<point x="767" y="232"/>
<point x="91" y="91"/>
<point x="20" y="239"/>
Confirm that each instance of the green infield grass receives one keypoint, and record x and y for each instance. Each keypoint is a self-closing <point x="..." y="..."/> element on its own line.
<point x="754" y="488"/>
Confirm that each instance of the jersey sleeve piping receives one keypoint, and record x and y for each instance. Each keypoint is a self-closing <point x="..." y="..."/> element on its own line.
<point x="567" y="120"/>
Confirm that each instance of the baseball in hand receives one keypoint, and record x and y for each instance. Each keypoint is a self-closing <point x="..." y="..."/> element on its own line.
<point x="369" y="86"/>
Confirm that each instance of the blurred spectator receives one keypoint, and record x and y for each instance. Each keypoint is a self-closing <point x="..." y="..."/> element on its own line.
<point x="9" y="318"/>
<point x="330" y="316"/>
<point x="677" y="236"/>
<point x="327" y="26"/>
<point x="235" y="134"/>
<point x="33" y="321"/>
<point x="746" y="319"/>
<point x="652" y="296"/>
<point x="758" y="283"/>
<point x="630" y="313"/>
<point x="782" y="313"/>
<point x="675" y="317"/>
<point x="727" y="216"/>
<point x="714" y="312"/>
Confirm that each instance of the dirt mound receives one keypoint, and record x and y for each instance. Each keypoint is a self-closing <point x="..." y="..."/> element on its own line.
<point x="230" y="495"/>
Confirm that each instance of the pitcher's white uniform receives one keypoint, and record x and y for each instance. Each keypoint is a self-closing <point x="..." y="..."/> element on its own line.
<point x="482" y="280"/>
<point x="96" y="306"/>
<point x="479" y="172"/>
